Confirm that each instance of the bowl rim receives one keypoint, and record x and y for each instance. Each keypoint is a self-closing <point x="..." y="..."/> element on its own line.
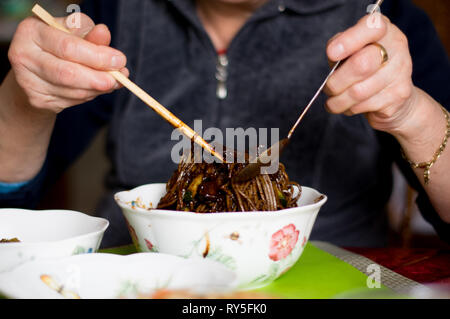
<point x="251" y="214"/>
<point x="59" y="241"/>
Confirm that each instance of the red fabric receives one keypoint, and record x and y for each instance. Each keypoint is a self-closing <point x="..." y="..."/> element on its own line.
<point x="221" y="52"/>
<point x="421" y="265"/>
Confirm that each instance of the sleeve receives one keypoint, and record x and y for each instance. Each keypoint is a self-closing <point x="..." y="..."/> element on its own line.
<point x="431" y="72"/>
<point x="74" y="130"/>
<point x="6" y="188"/>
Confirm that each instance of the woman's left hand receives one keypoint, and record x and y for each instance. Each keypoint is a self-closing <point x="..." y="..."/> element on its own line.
<point x="363" y="83"/>
<point x="385" y="93"/>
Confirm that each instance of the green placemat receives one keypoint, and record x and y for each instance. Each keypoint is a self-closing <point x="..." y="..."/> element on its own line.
<point x="317" y="274"/>
<point x="122" y="250"/>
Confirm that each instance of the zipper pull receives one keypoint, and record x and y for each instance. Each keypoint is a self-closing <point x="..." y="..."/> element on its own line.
<point x="221" y="76"/>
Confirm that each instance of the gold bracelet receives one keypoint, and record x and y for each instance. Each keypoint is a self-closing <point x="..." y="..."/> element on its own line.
<point x="427" y="165"/>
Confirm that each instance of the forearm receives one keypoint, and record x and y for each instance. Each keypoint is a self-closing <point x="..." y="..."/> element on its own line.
<point x="420" y="137"/>
<point x="24" y="134"/>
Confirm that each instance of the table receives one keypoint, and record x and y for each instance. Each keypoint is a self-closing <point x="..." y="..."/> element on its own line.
<point x="423" y="265"/>
<point x="326" y="271"/>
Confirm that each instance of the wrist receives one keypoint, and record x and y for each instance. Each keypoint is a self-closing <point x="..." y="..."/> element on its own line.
<point x="424" y="131"/>
<point x="424" y="124"/>
<point x="14" y="105"/>
<point x="24" y="134"/>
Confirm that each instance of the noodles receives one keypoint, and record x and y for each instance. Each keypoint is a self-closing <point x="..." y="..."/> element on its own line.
<point x="12" y="240"/>
<point x="209" y="188"/>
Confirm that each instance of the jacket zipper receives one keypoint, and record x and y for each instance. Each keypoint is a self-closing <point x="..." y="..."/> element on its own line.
<point x="222" y="76"/>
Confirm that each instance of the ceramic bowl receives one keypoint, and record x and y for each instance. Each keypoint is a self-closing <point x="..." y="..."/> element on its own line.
<point x="109" y="276"/>
<point x="257" y="246"/>
<point x="43" y="234"/>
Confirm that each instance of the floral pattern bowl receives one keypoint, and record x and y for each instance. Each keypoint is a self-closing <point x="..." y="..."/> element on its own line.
<point x="46" y="234"/>
<point x="109" y="276"/>
<point x="257" y="246"/>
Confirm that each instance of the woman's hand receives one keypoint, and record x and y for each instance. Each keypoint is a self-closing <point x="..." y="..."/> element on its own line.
<point x="363" y="84"/>
<point x="51" y="71"/>
<point x="55" y="70"/>
<point x="385" y="93"/>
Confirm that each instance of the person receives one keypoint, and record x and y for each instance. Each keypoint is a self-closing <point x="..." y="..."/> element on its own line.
<point x="236" y="63"/>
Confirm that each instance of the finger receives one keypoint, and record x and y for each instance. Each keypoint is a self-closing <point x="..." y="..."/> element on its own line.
<point x="85" y="27"/>
<point x="357" y="37"/>
<point x="82" y="95"/>
<point x="78" y="23"/>
<point x="67" y="96"/>
<point x="375" y="103"/>
<point x="99" y="35"/>
<point x="75" y="49"/>
<point x="44" y="95"/>
<point x="386" y="102"/>
<point x="69" y="74"/>
<point x="358" y="67"/>
<point x="79" y="95"/>
<point x="363" y="90"/>
<point x="65" y="93"/>
<point x="125" y="72"/>
<point x="382" y="100"/>
<point x="331" y="63"/>
<point x="333" y="37"/>
<point x="356" y="94"/>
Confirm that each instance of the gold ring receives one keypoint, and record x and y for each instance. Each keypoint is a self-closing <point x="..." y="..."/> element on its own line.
<point x="383" y="53"/>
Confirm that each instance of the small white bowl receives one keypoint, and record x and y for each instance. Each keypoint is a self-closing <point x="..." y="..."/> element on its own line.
<point x="108" y="276"/>
<point x="47" y="233"/>
<point x="258" y="246"/>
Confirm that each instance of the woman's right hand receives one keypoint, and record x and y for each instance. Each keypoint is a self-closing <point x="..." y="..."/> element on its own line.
<point x="53" y="70"/>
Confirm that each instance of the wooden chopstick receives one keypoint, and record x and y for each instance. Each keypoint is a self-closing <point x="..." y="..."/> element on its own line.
<point x="140" y="93"/>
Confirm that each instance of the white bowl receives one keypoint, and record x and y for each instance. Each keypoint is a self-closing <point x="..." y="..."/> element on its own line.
<point x="108" y="276"/>
<point x="44" y="234"/>
<point x="258" y="246"/>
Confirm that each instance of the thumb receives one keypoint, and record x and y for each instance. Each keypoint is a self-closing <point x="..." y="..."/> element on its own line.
<point x="78" y="23"/>
<point x="82" y="25"/>
<point x="99" y="35"/>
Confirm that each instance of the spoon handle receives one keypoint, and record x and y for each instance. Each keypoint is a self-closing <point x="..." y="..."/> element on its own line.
<point x="336" y="65"/>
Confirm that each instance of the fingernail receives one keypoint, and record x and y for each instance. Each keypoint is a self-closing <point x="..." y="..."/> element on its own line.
<point x="86" y="31"/>
<point x="337" y="50"/>
<point x="116" y="86"/>
<point x="117" y="61"/>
